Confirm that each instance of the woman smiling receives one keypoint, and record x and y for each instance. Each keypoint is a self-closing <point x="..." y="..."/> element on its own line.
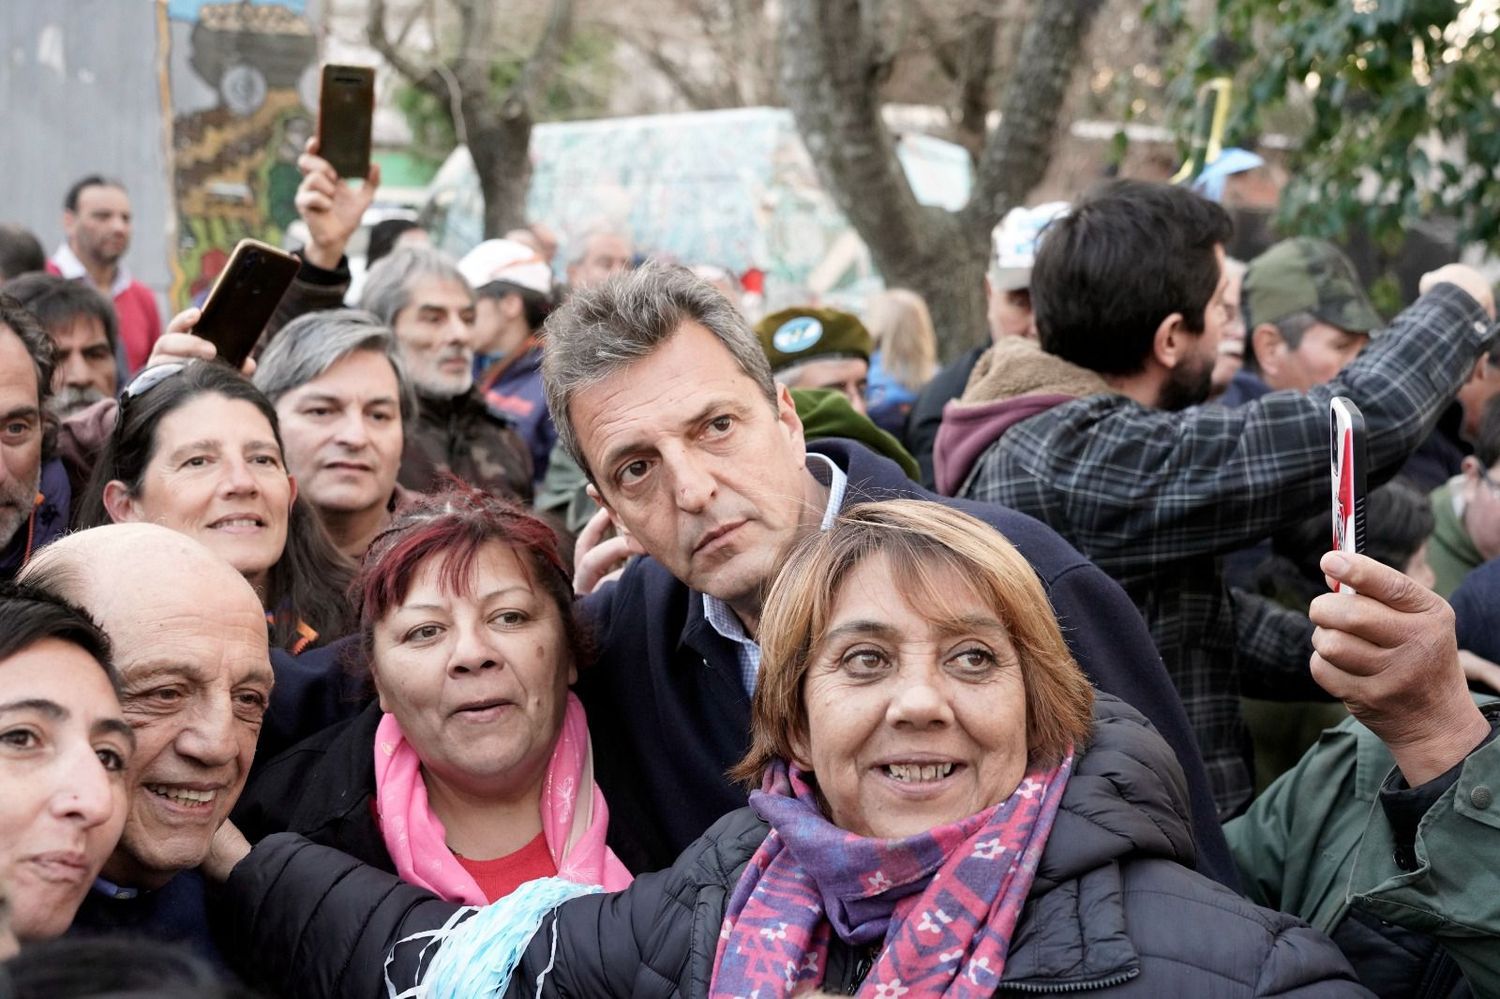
<point x="474" y="772"/>
<point x="64" y="752"/>
<point x="941" y="811"/>
<point x="197" y="448"/>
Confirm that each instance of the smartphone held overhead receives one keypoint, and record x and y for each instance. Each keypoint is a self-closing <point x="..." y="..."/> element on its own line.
<point x="1346" y="454"/>
<point x="244" y="297"/>
<point x="346" y="105"/>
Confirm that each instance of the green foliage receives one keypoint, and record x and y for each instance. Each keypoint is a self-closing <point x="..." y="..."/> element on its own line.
<point x="433" y="135"/>
<point x="1400" y="96"/>
<point x="579" y="88"/>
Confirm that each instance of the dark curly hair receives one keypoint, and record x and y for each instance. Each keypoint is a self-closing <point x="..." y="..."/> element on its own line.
<point x="38" y="344"/>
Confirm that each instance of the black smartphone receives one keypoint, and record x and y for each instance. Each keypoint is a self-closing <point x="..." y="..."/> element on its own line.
<point x="244" y="297"/>
<point x="1346" y="450"/>
<point x="346" y="104"/>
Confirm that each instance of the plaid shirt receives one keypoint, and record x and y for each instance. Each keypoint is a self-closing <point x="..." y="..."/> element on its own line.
<point x="1156" y="498"/>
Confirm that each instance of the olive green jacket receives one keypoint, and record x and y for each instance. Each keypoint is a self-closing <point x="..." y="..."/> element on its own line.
<point x="1318" y="841"/>
<point x="1450" y="550"/>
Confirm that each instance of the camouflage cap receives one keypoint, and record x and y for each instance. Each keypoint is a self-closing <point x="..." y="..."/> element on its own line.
<point x="797" y="335"/>
<point x="1307" y="275"/>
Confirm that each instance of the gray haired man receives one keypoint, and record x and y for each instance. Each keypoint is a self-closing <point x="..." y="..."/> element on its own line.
<point x="662" y="393"/>
<point x="596" y="254"/>
<point x="343" y="397"/>
<point x="419" y="293"/>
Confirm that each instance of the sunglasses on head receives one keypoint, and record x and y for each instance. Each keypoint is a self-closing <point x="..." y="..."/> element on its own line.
<point x="149" y="378"/>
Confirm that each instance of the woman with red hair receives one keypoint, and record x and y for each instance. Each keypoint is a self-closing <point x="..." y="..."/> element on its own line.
<point x="472" y="773"/>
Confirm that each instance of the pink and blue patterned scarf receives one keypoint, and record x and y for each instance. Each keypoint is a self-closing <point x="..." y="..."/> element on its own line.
<point x="942" y="903"/>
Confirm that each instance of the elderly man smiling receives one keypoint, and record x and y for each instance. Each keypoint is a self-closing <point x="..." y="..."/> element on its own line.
<point x="190" y="644"/>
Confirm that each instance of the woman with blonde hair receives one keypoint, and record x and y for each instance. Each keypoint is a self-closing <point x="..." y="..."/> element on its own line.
<point x="905" y="357"/>
<point x="942" y="807"/>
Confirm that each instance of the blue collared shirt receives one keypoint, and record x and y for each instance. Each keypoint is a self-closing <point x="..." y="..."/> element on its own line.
<point x="109" y="889"/>
<point x="717" y="612"/>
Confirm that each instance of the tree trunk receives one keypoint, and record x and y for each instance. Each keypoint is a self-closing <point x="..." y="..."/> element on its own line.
<point x="500" y="145"/>
<point x="830" y="69"/>
<point x="1018" y="151"/>
<point x="951" y="282"/>
<point x="497" y="128"/>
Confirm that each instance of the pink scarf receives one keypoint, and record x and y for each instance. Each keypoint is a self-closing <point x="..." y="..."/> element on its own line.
<point x="941" y="905"/>
<point x="416" y="840"/>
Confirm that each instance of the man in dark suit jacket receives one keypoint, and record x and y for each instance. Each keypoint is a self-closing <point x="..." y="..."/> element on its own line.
<point x="661" y="392"/>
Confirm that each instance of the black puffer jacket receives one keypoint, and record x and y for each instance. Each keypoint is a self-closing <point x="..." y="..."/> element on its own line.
<point x="1113" y="910"/>
<point x="323" y="788"/>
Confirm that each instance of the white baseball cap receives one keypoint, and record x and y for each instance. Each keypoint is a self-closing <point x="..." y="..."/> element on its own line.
<point x="1013" y="244"/>
<point x="506" y="260"/>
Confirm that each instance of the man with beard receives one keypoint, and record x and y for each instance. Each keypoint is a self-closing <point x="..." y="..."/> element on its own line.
<point x="82" y="326"/>
<point x="1097" y="431"/>
<point x="96" y="221"/>
<point x="34" y="492"/>
<point x="420" y="294"/>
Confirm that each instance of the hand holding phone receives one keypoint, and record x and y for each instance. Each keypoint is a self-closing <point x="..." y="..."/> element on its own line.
<point x="1346" y="451"/>
<point x="244" y="297"/>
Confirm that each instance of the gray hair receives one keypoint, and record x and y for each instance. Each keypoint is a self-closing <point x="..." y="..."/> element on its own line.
<point x="388" y="284"/>
<point x="578" y="244"/>
<point x="309" y="345"/>
<point x="1291" y="327"/>
<point x="601" y="330"/>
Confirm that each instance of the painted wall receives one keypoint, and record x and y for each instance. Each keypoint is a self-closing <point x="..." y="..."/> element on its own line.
<point x="198" y="107"/>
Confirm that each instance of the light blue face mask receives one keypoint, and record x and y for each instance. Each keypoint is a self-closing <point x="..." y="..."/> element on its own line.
<point x="478" y="949"/>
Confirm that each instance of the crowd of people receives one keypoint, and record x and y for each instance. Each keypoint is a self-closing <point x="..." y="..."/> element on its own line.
<point x="535" y="625"/>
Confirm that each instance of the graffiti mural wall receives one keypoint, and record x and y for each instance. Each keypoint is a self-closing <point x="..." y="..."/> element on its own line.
<point x="239" y="80"/>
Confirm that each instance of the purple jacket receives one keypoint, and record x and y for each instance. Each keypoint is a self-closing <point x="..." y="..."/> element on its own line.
<point x="967" y="430"/>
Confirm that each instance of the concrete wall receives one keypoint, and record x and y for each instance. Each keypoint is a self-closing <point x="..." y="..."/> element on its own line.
<point x="199" y="106"/>
<point x="80" y="92"/>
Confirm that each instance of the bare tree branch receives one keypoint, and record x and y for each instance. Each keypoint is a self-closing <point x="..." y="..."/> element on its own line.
<point x="697" y="94"/>
<point x="975" y="60"/>
<point x="545" y="56"/>
<point x="940" y="43"/>
<point x="826" y="80"/>
<point x="1016" y="156"/>
<point x="880" y="50"/>
<point x="425" y="78"/>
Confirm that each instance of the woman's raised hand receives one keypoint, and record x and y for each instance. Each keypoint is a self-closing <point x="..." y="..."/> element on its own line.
<point x="178" y="345"/>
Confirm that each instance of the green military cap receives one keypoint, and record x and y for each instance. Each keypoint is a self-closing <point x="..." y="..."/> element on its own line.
<point x="1307" y="275"/>
<point x="798" y="335"/>
<point x="827" y="413"/>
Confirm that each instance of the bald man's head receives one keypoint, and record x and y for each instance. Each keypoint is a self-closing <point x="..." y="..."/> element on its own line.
<point x="127" y="565"/>
<point x="190" y="642"/>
